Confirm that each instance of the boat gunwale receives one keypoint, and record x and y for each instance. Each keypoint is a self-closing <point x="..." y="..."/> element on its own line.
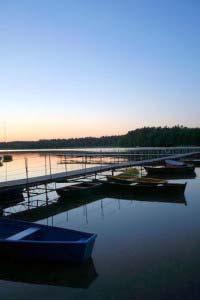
<point x="38" y="242"/>
<point x="91" y="235"/>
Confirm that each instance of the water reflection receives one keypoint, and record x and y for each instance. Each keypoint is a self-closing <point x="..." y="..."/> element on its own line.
<point x="65" y="204"/>
<point x="9" y="201"/>
<point x="180" y="199"/>
<point x="80" y="276"/>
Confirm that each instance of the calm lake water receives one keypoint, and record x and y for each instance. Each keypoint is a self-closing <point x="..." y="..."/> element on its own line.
<point x="145" y="249"/>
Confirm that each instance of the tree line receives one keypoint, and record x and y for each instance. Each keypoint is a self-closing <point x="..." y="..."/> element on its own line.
<point x="142" y="137"/>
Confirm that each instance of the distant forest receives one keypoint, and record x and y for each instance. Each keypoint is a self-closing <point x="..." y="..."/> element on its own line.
<point x="143" y="137"/>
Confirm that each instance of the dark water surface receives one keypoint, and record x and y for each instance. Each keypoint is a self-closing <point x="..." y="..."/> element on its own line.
<point x="144" y="250"/>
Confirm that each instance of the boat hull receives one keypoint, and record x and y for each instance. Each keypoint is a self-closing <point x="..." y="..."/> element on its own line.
<point x="36" y="247"/>
<point x="77" y="192"/>
<point x="50" y="252"/>
<point x="140" y="189"/>
<point x="169" y="170"/>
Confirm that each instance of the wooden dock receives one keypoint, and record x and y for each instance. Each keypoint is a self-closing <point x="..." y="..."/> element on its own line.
<point x="39" y="180"/>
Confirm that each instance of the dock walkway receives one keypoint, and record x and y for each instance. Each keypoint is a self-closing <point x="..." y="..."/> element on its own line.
<point x="34" y="181"/>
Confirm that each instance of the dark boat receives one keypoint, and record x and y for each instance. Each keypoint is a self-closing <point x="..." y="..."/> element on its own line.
<point x="195" y="162"/>
<point x="23" y="241"/>
<point x="170" y="168"/>
<point x="143" y="180"/>
<point x="148" y="188"/>
<point x="119" y="179"/>
<point x="7" y="158"/>
<point x="79" y="189"/>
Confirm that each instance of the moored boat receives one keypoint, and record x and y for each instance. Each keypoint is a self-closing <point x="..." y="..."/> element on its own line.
<point x="7" y="158"/>
<point x="29" y="241"/>
<point x="195" y="162"/>
<point x="148" y="188"/>
<point x="79" y="189"/>
<point x="119" y="179"/>
<point x="142" y="180"/>
<point x="170" y="168"/>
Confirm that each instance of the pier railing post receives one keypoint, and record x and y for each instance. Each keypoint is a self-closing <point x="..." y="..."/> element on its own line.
<point x="65" y="165"/>
<point x="45" y="162"/>
<point x="50" y="170"/>
<point x="26" y="168"/>
<point x="27" y="178"/>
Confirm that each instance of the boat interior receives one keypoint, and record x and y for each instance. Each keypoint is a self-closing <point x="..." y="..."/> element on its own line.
<point x="12" y="231"/>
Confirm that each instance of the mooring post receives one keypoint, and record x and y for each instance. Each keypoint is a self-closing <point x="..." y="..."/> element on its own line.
<point x="27" y="179"/>
<point x="46" y="193"/>
<point x="85" y="164"/>
<point x="45" y="164"/>
<point x="65" y="165"/>
<point x="50" y="165"/>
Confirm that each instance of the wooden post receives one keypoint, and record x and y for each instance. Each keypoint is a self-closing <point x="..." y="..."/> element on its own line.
<point x="26" y="168"/>
<point x="46" y="194"/>
<point x="65" y="165"/>
<point x="27" y="179"/>
<point x="45" y="162"/>
<point x="50" y="165"/>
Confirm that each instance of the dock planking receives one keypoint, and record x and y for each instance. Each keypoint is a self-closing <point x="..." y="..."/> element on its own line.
<point x="45" y="179"/>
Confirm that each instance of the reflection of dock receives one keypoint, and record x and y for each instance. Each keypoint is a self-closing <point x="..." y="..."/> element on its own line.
<point x="67" y="204"/>
<point x="80" y="276"/>
<point x="49" y="210"/>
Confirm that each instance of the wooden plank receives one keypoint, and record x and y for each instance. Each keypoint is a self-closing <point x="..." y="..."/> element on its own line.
<point x="22" y="234"/>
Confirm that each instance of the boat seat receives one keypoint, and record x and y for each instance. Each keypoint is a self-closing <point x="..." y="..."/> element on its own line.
<point x="22" y="234"/>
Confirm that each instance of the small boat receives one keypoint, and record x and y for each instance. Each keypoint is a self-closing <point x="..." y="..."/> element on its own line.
<point x="126" y="176"/>
<point x="170" y="168"/>
<point x="195" y="162"/>
<point x="119" y="179"/>
<point x="7" y="158"/>
<point x="148" y="188"/>
<point x="174" y="163"/>
<point x="22" y="240"/>
<point x="143" y="180"/>
<point x="131" y="172"/>
<point x="79" y="189"/>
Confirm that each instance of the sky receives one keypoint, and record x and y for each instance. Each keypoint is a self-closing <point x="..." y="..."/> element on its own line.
<point x="73" y="68"/>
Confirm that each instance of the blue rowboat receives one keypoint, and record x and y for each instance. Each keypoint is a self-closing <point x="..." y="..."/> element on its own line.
<point x="30" y="241"/>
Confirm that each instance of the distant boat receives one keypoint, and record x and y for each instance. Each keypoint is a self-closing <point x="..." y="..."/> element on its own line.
<point x="195" y="162"/>
<point x="170" y="168"/>
<point x="7" y="158"/>
<point x="79" y="189"/>
<point x="29" y="241"/>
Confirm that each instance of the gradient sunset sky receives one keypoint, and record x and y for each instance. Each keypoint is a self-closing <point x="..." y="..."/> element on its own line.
<point x="71" y="68"/>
